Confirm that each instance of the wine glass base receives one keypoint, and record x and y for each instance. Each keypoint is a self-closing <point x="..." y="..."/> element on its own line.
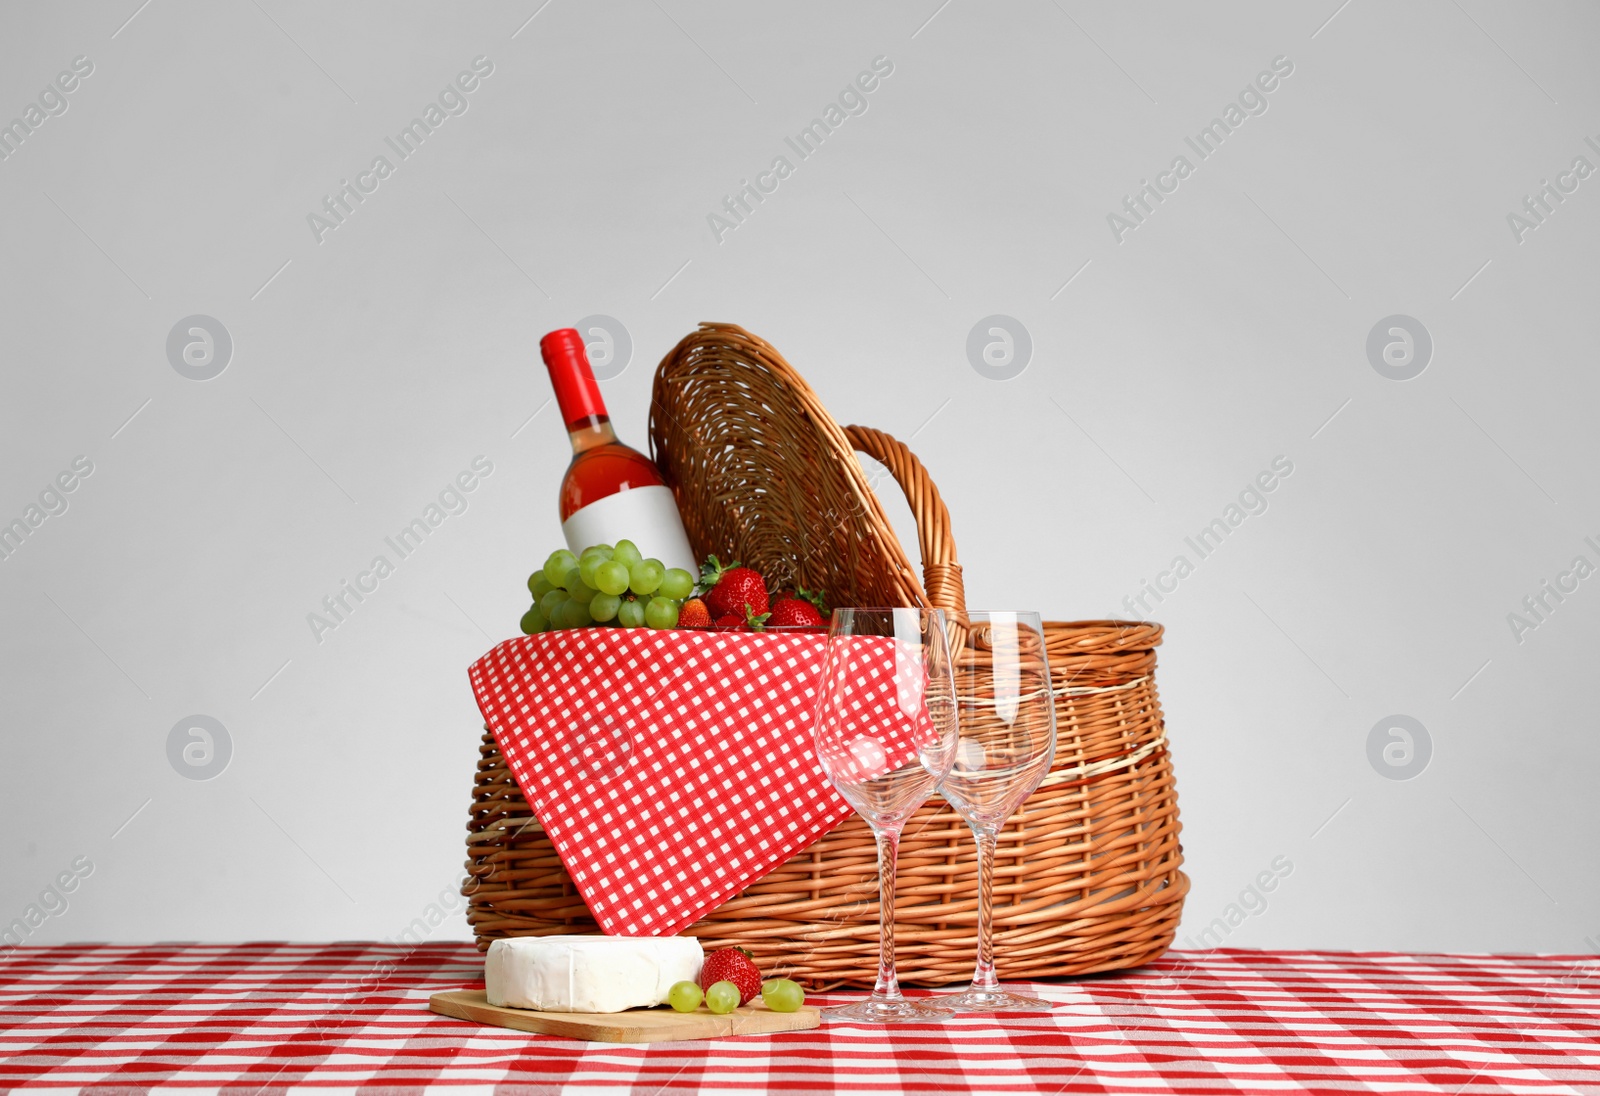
<point x="991" y="1000"/>
<point x="880" y="1010"/>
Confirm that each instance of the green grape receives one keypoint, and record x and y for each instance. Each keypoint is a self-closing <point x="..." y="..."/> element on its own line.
<point x="684" y="996"/>
<point x="611" y="577"/>
<point x="722" y="997"/>
<point x="603" y="607"/>
<point x="570" y="579"/>
<point x="538" y="585"/>
<point x="601" y="550"/>
<point x="627" y="553"/>
<point x="645" y="576"/>
<point x="582" y="593"/>
<point x="661" y="613"/>
<point x="551" y="602"/>
<point x="587" y="567"/>
<point x="557" y="565"/>
<point x="533" y="622"/>
<point x="676" y="584"/>
<point x="782" y="995"/>
<point x="575" y="614"/>
<point x="631" y="614"/>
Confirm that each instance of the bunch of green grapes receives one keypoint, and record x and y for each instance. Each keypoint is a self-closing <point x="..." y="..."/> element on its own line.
<point x="606" y="585"/>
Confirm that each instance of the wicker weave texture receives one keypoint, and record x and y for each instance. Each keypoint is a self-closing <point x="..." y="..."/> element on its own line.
<point x="1087" y="874"/>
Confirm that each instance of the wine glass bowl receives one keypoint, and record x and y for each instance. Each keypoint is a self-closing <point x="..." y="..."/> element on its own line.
<point x="886" y="734"/>
<point x="1006" y="745"/>
<point x="1007" y="720"/>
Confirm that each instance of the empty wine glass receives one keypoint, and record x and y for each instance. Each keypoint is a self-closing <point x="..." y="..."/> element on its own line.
<point x="1008" y="740"/>
<point x="886" y="735"/>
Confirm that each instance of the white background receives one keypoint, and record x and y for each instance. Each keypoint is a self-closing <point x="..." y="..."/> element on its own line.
<point x="1167" y="370"/>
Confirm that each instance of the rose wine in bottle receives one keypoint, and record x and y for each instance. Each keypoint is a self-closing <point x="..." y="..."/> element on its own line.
<point x="611" y="491"/>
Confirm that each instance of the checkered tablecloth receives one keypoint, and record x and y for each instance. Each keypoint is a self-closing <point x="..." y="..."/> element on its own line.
<point x="259" y="1018"/>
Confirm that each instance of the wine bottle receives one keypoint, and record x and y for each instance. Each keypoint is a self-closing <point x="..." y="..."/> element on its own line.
<point x="611" y="491"/>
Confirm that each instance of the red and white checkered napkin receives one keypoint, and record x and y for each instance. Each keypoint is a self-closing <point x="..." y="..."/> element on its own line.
<point x="673" y="768"/>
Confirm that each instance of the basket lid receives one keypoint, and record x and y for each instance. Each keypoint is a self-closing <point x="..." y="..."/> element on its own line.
<point x="764" y="475"/>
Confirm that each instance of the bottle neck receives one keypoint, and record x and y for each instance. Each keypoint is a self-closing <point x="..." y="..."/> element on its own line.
<point x="577" y="394"/>
<point x="590" y="432"/>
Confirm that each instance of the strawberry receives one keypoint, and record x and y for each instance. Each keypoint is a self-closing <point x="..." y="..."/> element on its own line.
<point x="729" y="620"/>
<point x="733" y="589"/>
<point x="793" y="612"/>
<point x="732" y="965"/>
<point x="694" y="614"/>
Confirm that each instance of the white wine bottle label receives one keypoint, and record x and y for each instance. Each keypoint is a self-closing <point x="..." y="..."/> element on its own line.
<point x="648" y="516"/>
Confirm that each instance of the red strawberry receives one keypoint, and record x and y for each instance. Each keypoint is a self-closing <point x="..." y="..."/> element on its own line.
<point x="694" y="614"/>
<point x="733" y="589"/>
<point x="800" y="593"/>
<point x="732" y="965"/>
<point x="729" y="620"/>
<point x="794" y="612"/>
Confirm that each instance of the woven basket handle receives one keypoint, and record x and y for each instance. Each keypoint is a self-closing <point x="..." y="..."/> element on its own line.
<point x="941" y="574"/>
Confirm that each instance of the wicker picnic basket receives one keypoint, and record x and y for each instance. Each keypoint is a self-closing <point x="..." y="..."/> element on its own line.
<point x="1087" y="876"/>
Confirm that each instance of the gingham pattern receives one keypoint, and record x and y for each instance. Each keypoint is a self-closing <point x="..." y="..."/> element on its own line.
<point x="672" y="768"/>
<point x="263" y="1018"/>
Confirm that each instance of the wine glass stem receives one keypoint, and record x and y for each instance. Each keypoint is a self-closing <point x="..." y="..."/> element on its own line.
<point x="983" y="977"/>
<point x="888" y="985"/>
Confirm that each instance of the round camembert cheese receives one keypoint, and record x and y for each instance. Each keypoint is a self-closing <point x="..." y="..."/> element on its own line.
<point x="588" y="973"/>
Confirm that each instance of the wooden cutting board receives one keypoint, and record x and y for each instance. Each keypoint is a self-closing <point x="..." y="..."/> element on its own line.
<point x="653" y="1025"/>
